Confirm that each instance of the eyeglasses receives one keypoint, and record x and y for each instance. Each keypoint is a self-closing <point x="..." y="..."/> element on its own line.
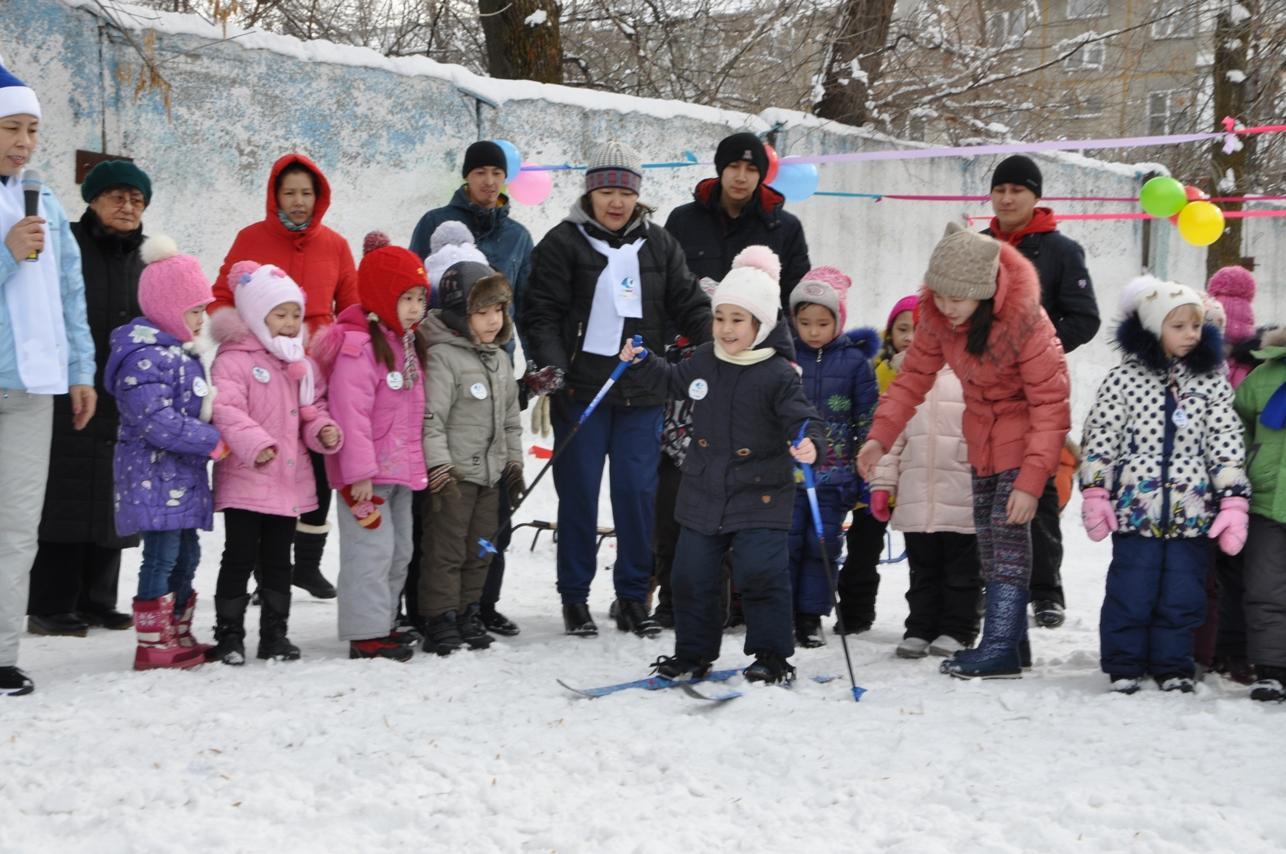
<point x="124" y="198"/>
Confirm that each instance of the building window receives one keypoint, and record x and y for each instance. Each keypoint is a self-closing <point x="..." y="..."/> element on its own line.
<point x="1089" y="107"/>
<point x="1172" y="21"/>
<point x="1006" y="27"/>
<point x="1086" y="8"/>
<point x="1166" y="110"/>
<point x="1088" y="58"/>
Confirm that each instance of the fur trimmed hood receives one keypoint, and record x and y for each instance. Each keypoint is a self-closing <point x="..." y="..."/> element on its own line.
<point x="866" y="339"/>
<point x="1133" y="340"/>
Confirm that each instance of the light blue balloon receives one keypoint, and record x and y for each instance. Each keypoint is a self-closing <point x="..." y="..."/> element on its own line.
<point x="513" y="160"/>
<point x="796" y="181"/>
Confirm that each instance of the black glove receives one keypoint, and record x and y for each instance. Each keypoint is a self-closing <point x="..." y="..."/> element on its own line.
<point x="514" y="484"/>
<point x="543" y="381"/>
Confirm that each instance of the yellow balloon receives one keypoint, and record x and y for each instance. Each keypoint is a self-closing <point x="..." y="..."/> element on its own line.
<point x="1201" y="223"/>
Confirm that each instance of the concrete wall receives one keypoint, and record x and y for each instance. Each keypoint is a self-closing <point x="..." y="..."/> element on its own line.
<point x="390" y="133"/>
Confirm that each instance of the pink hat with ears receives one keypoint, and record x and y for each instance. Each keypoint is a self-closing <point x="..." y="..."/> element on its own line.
<point x="171" y="285"/>
<point x="827" y="287"/>
<point x="1234" y="287"/>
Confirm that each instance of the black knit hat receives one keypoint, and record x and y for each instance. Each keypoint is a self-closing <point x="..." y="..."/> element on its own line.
<point x="115" y="173"/>
<point x="1018" y="170"/>
<point x="741" y="146"/>
<point x="484" y="152"/>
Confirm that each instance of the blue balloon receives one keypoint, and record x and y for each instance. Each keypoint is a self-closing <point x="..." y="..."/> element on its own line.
<point x="513" y="161"/>
<point x="796" y="181"/>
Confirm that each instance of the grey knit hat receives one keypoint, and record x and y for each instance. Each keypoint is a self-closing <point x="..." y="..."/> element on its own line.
<point x="963" y="265"/>
<point x="614" y="164"/>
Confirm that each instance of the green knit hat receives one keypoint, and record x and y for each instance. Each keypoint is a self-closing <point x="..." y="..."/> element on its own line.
<point x="115" y="173"/>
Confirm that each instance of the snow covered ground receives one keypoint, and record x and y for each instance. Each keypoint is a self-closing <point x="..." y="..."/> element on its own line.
<point x="485" y="752"/>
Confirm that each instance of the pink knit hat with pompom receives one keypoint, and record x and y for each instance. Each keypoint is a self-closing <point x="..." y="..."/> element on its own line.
<point x="752" y="284"/>
<point x="1234" y="287"/>
<point x="827" y="287"/>
<point x="170" y="285"/>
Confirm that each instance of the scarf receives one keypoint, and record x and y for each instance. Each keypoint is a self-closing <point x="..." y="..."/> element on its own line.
<point x="617" y="295"/>
<point x="298" y="365"/>
<point x="33" y="297"/>
<point x="290" y="226"/>
<point x="410" y="363"/>
<point x="745" y="357"/>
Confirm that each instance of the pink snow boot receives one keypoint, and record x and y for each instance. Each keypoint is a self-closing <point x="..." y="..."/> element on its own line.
<point x="158" y="645"/>
<point x="183" y="627"/>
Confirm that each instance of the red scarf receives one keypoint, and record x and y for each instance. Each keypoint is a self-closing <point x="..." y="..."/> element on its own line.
<point x="1042" y="220"/>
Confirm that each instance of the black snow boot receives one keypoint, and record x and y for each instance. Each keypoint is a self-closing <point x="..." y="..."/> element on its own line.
<point x="1268" y="688"/>
<point x="442" y="634"/>
<point x="497" y="623"/>
<point x="578" y="622"/>
<point x="633" y="617"/>
<point x="663" y="616"/>
<point x="307" y="575"/>
<point x="1180" y="682"/>
<point x="15" y="683"/>
<point x="771" y="668"/>
<point x="1048" y="613"/>
<point x="808" y="631"/>
<point x="274" y="615"/>
<point x="229" y="630"/>
<point x="472" y="631"/>
<point x="677" y="667"/>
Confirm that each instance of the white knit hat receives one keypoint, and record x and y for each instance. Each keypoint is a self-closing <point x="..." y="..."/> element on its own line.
<point x="752" y="284"/>
<point x="1157" y="300"/>
<point x="451" y="243"/>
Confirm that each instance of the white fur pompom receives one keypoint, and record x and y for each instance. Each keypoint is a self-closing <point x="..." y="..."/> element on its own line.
<point x="1131" y="292"/>
<point x="759" y="258"/>
<point x="158" y="247"/>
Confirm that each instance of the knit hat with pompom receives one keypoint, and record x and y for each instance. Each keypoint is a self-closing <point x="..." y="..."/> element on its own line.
<point x="752" y="284"/>
<point x="170" y="286"/>
<point x="450" y="243"/>
<point x="827" y="287"/>
<point x="256" y="290"/>
<point x="1234" y="287"/>
<point x="387" y="272"/>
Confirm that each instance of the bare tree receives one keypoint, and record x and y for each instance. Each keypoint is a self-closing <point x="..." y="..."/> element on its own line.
<point x="522" y="39"/>
<point x="854" y="60"/>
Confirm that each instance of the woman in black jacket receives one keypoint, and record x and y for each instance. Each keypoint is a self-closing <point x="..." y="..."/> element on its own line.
<point x="601" y="276"/>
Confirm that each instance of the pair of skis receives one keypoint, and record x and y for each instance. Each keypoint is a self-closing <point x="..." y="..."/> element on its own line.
<point x="659" y="683"/>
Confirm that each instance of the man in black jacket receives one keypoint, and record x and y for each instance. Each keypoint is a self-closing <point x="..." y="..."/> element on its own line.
<point x="1067" y="295"/>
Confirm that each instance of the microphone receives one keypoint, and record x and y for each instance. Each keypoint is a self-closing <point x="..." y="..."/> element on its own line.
<point x="31" y="186"/>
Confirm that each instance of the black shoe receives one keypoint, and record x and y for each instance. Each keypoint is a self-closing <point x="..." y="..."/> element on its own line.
<point x="578" y="622"/>
<point x="808" y="631"/>
<point x="274" y="615"/>
<point x="771" y="668"/>
<point x="15" y="683"/>
<point x="472" y="631"/>
<point x="663" y="616"/>
<point x="1048" y="613"/>
<point x="307" y="572"/>
<point x="633" y="617"/>
<point x="442" y="634"/>
<point x="1176" y="682"/>
<point x="57" y="625"/>
<point x="676" y="667"/>
<point x="852" y="627"/>
<point x="229" y="630"/>
<point x="111" y="619"/>
<point x="497" y="623"/>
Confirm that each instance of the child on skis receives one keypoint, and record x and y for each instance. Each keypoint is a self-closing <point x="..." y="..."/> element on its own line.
<point x="837" y="378"/>
<point x="1163" y="471"/>
<point x="162" y="485"/>
<point x="376" y="396"/>
<point x="472" y="441"/>
<point x="981" y="315"/>
<point x="859" y="580"/>
<point x="271" y="409"/>
<point x="738" y="483"/>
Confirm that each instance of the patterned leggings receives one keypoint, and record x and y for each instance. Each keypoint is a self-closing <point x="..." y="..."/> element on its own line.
<point x="1004" y="550"/>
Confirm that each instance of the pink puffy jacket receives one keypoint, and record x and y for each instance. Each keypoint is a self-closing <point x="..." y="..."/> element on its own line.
<point x="257" y="407"/>
<point x="927" y="470"/>
<point x="382" y="424"/>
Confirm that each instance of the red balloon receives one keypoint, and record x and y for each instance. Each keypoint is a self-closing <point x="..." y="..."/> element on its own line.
<point x="774" y="163"/>
<point x="1194" y="195"/>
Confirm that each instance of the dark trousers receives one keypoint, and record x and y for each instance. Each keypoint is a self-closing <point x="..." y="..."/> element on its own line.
<point x="69" y="577"/>
<point x="255" y="539"/>
<point x="1230" y="639"/>
<point x="318" y="517"/>
<point x="665" y="534"/>
<point x="859" y="580"/>
<point x="1047" y="548"/>
<point x="502" y="535"/>
<point x="455" y="569"/>
<point x="760" y="571"/>
<point x="1155" y="600"/>
<point x="1265" y="564"/>
<point x="945" y="578"/>
<point x="810" y="589"/>
<point x="631" y="436"/>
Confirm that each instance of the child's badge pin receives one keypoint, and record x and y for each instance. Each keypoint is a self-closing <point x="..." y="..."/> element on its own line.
<point x="479" y="391"/>
<point x="199" y="387"/>
<point x="261" y="375"/>
<point x="1180" y="418"/>
<point x="394" y="380"/>
<point x="698" y="389"/>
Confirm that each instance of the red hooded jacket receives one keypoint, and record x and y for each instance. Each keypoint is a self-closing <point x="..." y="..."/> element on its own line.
<point x="317" y="258"/>
<point x="1016" y="394"/>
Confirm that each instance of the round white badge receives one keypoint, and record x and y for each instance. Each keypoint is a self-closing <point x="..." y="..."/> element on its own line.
<point x="394" y="380"/>
<point x="478" y="390"/>
<point x="1180" y="418"/>
<point x="199" y="387"/>
<point x="698" y="389"/>
<point x="261" y="375"/>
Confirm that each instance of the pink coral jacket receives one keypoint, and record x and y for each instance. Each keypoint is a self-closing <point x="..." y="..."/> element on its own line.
<point x="257" y="407"/>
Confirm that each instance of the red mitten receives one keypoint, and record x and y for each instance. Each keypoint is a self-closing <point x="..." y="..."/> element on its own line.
<point x="367" y="512"/>
<point x="880" y="505"/>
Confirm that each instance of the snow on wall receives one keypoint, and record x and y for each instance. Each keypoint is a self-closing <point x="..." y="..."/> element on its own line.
<point x="390" y="134"/>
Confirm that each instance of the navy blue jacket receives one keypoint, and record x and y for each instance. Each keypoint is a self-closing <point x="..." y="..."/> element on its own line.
<point x="840" y="383"/>
<point x="737" y="473"/>
<point x="1066" y="292"/>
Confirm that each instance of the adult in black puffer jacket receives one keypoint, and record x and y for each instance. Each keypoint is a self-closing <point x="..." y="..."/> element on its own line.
<point x="579" y="309"/>
<point x="74" y="578"/>
<point x="736" y="210"/>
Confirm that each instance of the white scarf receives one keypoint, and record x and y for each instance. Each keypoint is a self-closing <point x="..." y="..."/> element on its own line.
<point x="290" y="351"/>
<point x="34" y="300"/>
<point x="617" y="295"/>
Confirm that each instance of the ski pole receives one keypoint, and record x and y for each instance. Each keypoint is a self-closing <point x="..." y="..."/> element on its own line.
<point x="485" y="545"/>
<point x="810" y="485"/>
